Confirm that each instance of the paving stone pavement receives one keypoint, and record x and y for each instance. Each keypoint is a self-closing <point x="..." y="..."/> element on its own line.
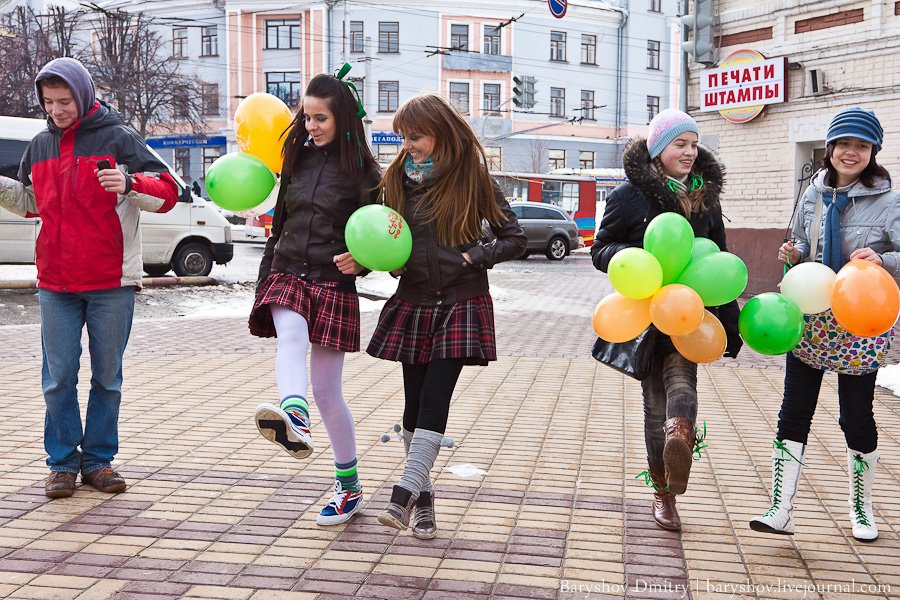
<point x="215" y="511"/>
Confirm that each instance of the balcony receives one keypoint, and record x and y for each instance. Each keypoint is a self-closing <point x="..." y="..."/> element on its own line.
<point x="475" y="61"/>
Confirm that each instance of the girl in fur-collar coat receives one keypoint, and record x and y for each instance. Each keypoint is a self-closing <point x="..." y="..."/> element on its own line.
<point x="668" y="172"/>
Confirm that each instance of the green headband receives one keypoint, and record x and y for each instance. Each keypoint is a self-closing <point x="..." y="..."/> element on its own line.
<point x="340" y="74"/>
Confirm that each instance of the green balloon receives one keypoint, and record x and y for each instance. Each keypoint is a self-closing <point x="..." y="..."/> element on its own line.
<point x="239" y="181"/>
<point x="702" y="247"/>
<point x="771" y="323"/>
<point x="670" y="238"/>
<point x="378" y="238"/>
<point x="635" y="273"/>
<point x="719" y="278"/>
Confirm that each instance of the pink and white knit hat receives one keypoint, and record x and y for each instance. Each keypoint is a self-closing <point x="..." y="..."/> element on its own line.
<point x="665" y="127"/>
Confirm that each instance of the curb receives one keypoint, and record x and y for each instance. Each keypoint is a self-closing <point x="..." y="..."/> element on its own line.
<point x="31" y="284"/>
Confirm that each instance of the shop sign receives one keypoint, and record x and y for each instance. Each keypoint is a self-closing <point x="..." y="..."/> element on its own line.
<point x="743" y="85"/>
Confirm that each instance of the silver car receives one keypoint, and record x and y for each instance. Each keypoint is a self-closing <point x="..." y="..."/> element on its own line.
<point x="549" y="229"/>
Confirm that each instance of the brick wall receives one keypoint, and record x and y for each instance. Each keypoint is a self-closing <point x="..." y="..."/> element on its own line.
<point x="844" y="17"/>
<point x="744" y="37"/>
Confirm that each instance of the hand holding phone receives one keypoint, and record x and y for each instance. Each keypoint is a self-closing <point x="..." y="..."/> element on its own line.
<point x="113" y="181"/>
<point x="103" y="164"/>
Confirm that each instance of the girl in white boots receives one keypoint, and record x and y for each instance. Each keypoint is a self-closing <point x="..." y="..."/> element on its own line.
<point x="862" y="221"/>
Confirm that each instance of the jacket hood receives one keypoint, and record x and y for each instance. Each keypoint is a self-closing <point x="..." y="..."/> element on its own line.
<point x="880" y="186"/>
<point x="102" y="115"/>
<point x="641" y="174"/>
<point x="76" y="77"/>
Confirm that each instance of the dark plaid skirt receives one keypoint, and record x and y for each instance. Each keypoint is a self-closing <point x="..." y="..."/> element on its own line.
<point x="415" y="334"/>
<point x="332" y="314"/>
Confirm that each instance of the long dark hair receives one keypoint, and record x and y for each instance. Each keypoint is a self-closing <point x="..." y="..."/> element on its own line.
<point x="355" y="156"/>
<point x="867" y="177"/>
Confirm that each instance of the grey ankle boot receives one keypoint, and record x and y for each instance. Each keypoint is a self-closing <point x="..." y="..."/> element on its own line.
<point x="424" y="525"/>
<point x="397" y="512"/>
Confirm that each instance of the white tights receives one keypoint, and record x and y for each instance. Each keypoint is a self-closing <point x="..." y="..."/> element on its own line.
<point x="326" y="369"/>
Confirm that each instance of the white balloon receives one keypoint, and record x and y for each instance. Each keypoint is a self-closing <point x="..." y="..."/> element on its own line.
<point x="264" y="207"/>
<point x="809" y="284"/>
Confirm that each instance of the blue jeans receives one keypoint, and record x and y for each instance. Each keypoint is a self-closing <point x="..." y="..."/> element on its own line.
<point x="108" y="315"/>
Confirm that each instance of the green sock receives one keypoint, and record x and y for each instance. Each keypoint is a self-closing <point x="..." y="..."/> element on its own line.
<point x="347" y="475"/>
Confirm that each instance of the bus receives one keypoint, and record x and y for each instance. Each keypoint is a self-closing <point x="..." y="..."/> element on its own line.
<point x="580" y="192"/>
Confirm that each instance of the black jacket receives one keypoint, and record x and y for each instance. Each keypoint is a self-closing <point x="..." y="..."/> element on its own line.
<point x="313" y="206"/>
<point x="632" y="205"/>
<point x="438" y="274"/>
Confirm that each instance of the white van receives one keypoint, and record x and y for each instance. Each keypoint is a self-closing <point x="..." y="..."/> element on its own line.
<point x="188" y="239"/>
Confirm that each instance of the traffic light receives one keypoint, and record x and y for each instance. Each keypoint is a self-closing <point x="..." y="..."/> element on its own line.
<point x="523" y="91"/>
<point x="700" y="22"/>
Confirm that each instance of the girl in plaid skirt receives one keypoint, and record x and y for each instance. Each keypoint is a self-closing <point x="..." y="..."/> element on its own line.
<point x="441" y="317"/>
<point x="305" y="292"/>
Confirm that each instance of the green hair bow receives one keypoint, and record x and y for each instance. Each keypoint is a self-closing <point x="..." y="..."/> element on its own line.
<point x="340" y="74"/>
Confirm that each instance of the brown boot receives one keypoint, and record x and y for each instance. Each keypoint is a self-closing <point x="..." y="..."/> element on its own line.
<point x="60" y="484"/>
<point x="105" y="480"/>
<point x="678" y="453"/>
<point x="664" y="511"/>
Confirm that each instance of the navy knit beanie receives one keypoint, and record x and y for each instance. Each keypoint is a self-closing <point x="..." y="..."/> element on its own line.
<point x="856" y="123"/>
<point x="76" y="77"/>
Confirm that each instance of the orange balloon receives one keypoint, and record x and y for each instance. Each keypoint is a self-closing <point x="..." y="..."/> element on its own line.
<point x="260" y="124"/>
<point x="619" y="319"/>
<point x="865" y="298"/>
<point x="705" y="344"/>
<point x="676" y="309"/>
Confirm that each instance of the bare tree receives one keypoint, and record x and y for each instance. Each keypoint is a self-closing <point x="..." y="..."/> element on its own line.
<point x="28" y="42"/>
<point x="537" y="154"/>
<point x="131" y="70"/>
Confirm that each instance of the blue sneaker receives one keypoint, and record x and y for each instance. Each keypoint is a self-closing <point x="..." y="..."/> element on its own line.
<point x="290" y="431"/>
<point x="343" y="505"/>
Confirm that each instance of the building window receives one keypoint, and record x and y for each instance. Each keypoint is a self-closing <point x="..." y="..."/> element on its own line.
<point x="494" y="155"/>
<point x="587" y="104"/>
<point x="209" y="98"/>
<point x="389" y="37"/>
<point x="285" y="85"/>
<point x="653" y="55"/>
<point x="182" y="162"/>
<point x="360" y="84"/>
<point x="557" y="102"/>
<point x="209" y="41"/>
<point x="388" y="95"/>
<point x="179" y="42"/>
<point x="181" y="105"/>
<point x="491" y="98"/>
<point x="282" y="34"/>
<point x="558" y="46"/>
<point x="652" y="107"/>
<point x="557" y="159"/>
<point x="585" y="159"/>
<point x="357" y="38"/>
<point x="491" y="40"/>
<point x="387" y="152"/>
<point x="459" y="97"/>
<point x="588" y="49"/>
<point x="655" y="6"/>
<point x="459" y="37"/>
<point x="210" y="154"/>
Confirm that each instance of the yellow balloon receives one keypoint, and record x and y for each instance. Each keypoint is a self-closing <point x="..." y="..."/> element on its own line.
<point x="619" y="319"/>
<point x="705" y="344"/>
<point x="260" y="127"/>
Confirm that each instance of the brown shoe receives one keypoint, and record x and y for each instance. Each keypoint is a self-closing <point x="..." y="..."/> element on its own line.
<point x="105" y="480"/>
<point x="60" y="484"/>
<point x="664" y="511"/>
<point x="678" y="453"/>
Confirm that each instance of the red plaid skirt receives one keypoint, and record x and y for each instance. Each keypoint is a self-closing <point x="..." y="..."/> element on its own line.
<point x="415" y="334"/>
<point x="332" y="315"/>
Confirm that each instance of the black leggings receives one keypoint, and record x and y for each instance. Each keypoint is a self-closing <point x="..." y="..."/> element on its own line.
<point x="428" y="389"/>
<point x="801" y="394"/>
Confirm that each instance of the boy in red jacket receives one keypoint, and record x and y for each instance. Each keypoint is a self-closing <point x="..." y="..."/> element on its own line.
<point x="87" y="177"/>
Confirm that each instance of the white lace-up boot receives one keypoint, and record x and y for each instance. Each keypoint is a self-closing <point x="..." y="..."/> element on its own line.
<point x="787" y="463"/>
<point x="862" y="475"/>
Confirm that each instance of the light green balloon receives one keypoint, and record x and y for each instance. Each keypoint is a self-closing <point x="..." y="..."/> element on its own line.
<point x="771" y="323"/>
<point x="378" y="238"/>
<point x="702" y="247"/>
<point x="635" y="273"/>
<point x="670" y="238"/>
<point x="719" y="278"/>
<point x="239" y="181"/>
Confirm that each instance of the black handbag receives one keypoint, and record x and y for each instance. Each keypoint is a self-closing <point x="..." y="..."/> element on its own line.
<point x="633" y="358"/>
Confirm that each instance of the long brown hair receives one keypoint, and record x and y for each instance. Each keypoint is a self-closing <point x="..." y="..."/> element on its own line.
<point x="692" y="201"/>
<point x="355" y="156"/>
<point x="461" y="191"/>
<point x="867" y="177"/>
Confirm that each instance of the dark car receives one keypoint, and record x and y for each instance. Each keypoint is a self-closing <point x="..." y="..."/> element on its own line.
<point x="549" y="229"/>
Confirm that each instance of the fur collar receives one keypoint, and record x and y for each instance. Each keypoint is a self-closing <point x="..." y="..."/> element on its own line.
<point x="639" y="171"/>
